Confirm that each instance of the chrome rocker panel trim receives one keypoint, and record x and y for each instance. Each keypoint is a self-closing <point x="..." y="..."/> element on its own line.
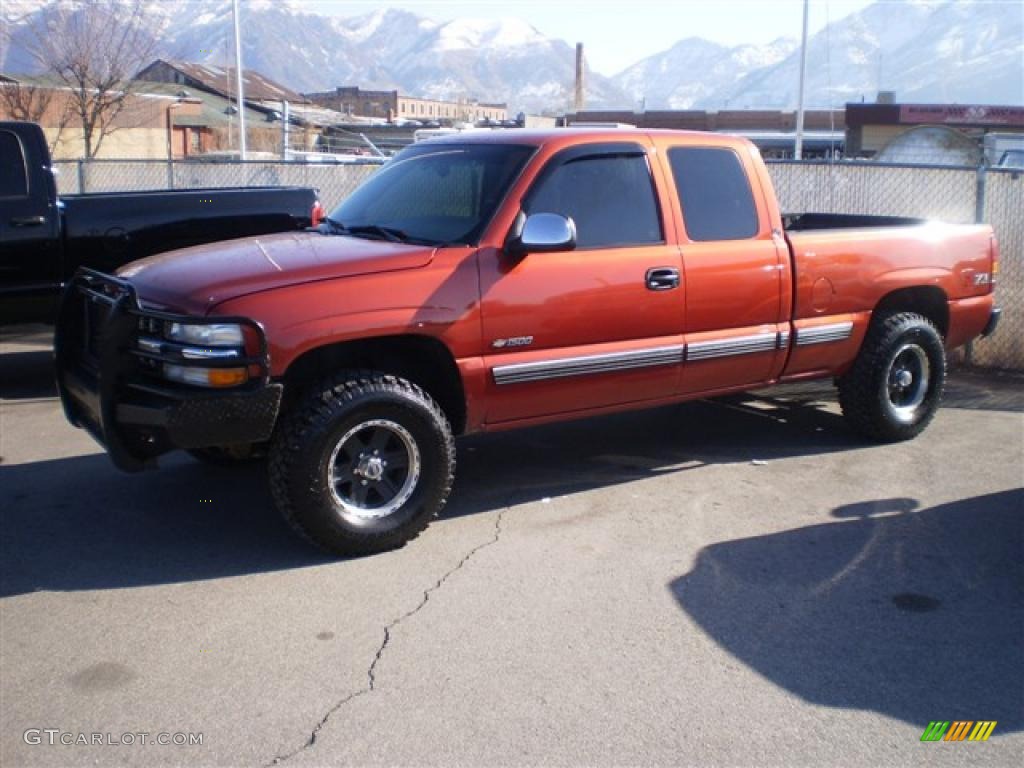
<point x="824" y="334"/>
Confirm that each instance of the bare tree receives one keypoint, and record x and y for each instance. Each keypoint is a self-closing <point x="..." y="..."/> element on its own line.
<point x="33" y="103"/>
<point x="94" y="48"/>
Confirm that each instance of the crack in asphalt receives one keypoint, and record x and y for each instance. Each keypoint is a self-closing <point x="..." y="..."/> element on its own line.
<point x="371" y="671"/>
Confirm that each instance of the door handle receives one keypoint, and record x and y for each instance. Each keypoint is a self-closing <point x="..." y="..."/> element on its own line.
<point x="28" y="221"/>
<point x="662" y="278"/>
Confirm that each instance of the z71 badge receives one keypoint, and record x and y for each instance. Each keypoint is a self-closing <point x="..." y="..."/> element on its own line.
<point x="515" y="341"/>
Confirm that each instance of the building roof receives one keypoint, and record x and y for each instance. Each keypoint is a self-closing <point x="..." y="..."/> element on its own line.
<point x="309" y="113"/>
<point x="214" y="111"/>
<point x="221" y="80"/>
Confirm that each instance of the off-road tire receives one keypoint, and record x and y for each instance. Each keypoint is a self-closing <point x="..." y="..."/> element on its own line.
<point x="864" y="392"/>
<point x="313" y="428"/>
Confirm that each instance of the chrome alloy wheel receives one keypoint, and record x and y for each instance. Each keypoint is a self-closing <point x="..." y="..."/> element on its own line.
<point x="373" y="470"/>
<point x="908" y="381"/>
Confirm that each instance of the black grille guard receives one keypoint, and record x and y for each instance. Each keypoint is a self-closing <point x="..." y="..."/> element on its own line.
<point x="98" y="368"/>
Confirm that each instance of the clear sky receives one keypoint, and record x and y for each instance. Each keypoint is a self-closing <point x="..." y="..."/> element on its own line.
<point x="618" y="33"/>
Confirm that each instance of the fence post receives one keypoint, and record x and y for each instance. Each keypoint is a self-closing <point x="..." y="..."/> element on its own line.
<point x="979" y="195"/>
<point x="979" y="216"/>
<point x="81" y="177"/>
<point x="170" y="173"/>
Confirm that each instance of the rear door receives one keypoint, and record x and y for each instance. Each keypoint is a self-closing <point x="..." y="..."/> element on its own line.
<point x="733" y="267"/>
<point x="582" y="329"/>
<point x="29" y="245"/>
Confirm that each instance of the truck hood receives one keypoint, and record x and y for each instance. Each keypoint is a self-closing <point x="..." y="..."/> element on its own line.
<point x="194" y="279"/>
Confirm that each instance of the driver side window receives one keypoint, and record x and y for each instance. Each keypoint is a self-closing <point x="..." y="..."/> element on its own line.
<point x="609" y="197"/>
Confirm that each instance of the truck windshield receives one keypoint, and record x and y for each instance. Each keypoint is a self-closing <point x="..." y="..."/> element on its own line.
<point x="440" y="193"/>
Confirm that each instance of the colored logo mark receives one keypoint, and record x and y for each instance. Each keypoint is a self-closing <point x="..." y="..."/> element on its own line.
<point x="958" y="730"/>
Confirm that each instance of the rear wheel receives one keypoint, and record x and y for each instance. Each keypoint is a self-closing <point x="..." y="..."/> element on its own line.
<point x="894" y="388"/>
<point x="363" y="463"/>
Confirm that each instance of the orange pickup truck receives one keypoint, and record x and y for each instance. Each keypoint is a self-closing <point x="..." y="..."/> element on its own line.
<point x="493" y="280"/>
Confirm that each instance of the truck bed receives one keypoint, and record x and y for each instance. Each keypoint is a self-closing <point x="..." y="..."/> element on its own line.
<point x="843" y="265"/>
<point x="106" y="230"/>
<point x="802" y="222"/>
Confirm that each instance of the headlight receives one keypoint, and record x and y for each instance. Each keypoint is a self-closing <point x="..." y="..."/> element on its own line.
<point x="207" y="335"/>
<point x="206" y="377"/>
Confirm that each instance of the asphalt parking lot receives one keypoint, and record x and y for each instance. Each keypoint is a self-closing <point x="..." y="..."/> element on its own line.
<point x="737" y="582"/>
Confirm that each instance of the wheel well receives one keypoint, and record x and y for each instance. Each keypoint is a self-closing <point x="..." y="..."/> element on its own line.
<point x="925" y="300"/>
<point x="420" y="359"/>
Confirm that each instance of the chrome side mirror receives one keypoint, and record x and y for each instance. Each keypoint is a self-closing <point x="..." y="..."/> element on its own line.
<point x="544" y="232"/>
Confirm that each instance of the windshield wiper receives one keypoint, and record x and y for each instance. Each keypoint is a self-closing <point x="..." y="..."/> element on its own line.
<point x="333" y="225"/>
<point x="391" y="234"/>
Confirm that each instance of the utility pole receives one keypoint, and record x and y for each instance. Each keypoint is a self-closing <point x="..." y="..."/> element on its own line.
<point x="238" y="82"/>
<point x="285" y="130"/>
<point x="580" y="98"/>
<point x="798" y="150"/>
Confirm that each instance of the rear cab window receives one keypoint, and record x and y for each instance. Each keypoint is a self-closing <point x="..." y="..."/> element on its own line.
<point x="715" y="194"/>
<point x="13" y="173"/>
<point x="609" y="196"/>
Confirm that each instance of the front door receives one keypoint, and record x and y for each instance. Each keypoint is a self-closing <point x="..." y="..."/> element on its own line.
<point x="600" y="324"/>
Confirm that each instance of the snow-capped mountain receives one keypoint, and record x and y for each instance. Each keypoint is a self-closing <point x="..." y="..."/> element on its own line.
<point x="694" y="69"/>
<point x="491" y="60"/>
<point x="965" y="52"/>
<point x="957" y="50"/>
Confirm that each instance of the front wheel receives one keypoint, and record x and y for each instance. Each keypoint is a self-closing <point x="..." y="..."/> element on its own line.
<point x="363" y="463"/>
<point x="894" y="387"/>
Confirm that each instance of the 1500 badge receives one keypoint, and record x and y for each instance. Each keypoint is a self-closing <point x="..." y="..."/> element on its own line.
<point x="515" y="341"/>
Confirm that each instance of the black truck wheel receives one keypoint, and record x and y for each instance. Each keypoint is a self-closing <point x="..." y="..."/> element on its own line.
<point x="362" y="463"/>
<point x="894" y="387"/>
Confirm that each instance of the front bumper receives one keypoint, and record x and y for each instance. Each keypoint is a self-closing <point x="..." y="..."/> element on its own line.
<point x="109" y="386"/>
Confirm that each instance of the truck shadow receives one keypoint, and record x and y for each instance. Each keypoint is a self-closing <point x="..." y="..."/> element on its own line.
<point x="78" y="524"/>
<point x="560" y="459"/>
<point x="914" y="614"/>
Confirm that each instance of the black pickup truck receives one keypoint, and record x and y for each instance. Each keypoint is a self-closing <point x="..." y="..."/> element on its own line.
<point x="43" y="239"/>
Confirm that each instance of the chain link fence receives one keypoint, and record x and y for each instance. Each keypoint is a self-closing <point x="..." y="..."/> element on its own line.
<point x="955" y="194"/>
<point x="1003" y="208"/>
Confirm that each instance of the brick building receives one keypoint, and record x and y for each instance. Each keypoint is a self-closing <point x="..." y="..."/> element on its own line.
<point x="150" y="125"/>
<point x="870" y="127"/>
<point x="393" y="105"/>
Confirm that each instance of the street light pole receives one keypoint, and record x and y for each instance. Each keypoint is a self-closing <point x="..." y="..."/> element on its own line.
<point x="798" y="150"/>
<point x="238" y="81"/>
